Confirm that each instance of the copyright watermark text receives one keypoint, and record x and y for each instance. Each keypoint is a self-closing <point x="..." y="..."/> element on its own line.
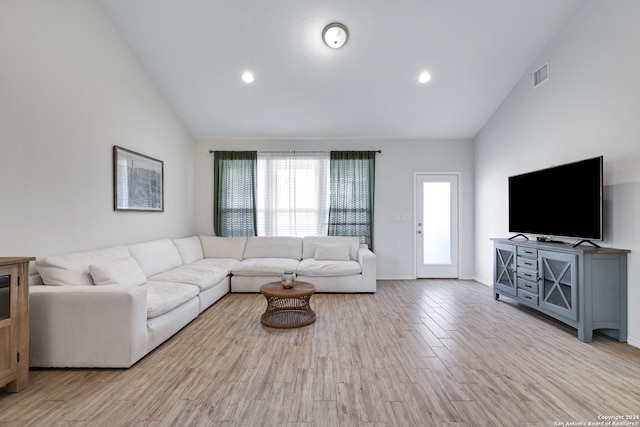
<point x="631" y="420"/>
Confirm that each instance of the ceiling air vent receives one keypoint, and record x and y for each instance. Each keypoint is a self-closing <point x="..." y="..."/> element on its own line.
<point x="540" y="75"/>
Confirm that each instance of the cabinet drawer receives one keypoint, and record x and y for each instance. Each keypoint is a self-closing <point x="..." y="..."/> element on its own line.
<point x="532" y="298"/>
<point x="527" y="252"/>
<point x="527" y="274"/>
<point x="531" y="263"/>
<point x="528" y="286"/>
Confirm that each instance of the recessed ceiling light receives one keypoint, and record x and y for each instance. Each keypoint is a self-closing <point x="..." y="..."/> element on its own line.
<point x="247" y="77"/>
<point x="335" y="35"/>
<point x="424" y="77"/>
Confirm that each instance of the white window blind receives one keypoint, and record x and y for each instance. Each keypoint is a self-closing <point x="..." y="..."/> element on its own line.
<point x="293" y="193"/>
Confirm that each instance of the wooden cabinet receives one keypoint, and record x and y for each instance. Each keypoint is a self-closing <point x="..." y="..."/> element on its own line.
<point x="14" y="323"/>
<point x="583" y="287"/>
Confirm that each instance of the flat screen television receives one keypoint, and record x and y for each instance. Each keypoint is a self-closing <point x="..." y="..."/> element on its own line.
<point x="563" y="200"/>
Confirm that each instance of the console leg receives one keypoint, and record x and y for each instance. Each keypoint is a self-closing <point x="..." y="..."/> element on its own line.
<point x="585" y="334"/>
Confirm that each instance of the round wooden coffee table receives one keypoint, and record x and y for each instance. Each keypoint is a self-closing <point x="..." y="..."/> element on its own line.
<point x="288" y="308"/>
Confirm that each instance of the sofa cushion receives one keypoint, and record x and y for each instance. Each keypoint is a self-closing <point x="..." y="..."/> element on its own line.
<point x="162" y="297"/>
<point x="312" y="267"/>
<point x="332" y="253"/>
<point x="264" y="266"/>
<point x="189" y="248"/>
<point x="225" y="263"/>
<point x="156" y="256"/>
<point x="223" y="247"/>
<point x="124" y="271"/>
<point x="34" y="275"/>
<point x="311" y="243"/>
<point x="202" y="276"/>
<point x="273" y="247"/>
<point x="73" y="269"/>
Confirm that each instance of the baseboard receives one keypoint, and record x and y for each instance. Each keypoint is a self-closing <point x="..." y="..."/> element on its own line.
<point x="415" y="278"/>
<point x="396" y="278"/>
<point x="633" y="342"/>
<point x="484" y="282"/>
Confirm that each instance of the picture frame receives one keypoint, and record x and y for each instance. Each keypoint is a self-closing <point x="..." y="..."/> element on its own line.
<point x="138" y="182"/>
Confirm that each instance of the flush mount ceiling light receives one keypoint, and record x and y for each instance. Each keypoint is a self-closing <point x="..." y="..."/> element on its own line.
<point x="247" y="77"/>
<point x="424" y="77"/>
<point x="335" y="35"/>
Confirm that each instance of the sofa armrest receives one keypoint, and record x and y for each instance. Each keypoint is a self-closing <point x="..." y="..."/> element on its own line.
<point x="367" y="261"/>
<point x="87" y="326"/>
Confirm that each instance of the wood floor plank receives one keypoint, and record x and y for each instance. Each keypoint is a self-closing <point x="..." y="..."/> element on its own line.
<point x="302" y="399"/>
<point x="417" y="352"/>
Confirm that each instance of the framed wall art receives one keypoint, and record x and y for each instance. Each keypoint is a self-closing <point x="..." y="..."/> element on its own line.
<point x="138" y="182"/>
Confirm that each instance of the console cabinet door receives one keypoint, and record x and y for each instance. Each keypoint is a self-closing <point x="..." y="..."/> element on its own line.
<point x="558" y="278"/>
<point x="504" y="268"/>
<point x="8" y="332"/>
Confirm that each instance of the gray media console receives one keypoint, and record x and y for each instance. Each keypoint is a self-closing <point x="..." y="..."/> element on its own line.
<point x="581" y="286"/>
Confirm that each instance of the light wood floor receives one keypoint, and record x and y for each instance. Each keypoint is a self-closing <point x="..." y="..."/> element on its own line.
<point x="416" y="353"/>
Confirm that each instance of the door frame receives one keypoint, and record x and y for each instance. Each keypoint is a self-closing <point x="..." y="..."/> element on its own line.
<point x="458" y="175"/>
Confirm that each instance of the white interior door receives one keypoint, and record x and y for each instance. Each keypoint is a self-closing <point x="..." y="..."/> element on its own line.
<point x="436" y="201"/>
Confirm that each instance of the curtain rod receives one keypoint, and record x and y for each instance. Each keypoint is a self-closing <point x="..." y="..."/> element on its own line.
<point x="298" y="151"/>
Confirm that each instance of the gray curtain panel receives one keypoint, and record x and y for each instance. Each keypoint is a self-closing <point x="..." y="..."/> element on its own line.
<point x="352" y="188"/>
<point x="235" y="193"/>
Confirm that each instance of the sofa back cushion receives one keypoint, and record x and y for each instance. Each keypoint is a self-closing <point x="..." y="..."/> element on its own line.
<point x="125" y="272"/>
<point x="330" y="244"/>
<point x="73" y="269"/>
<point x="189" y="248"/>
<point x="223" y="247"/>
<point x="273" y="247"/>
<point x="34" y="275"/>
<point x="156" y="256"/>
<point x="332" y="253"/>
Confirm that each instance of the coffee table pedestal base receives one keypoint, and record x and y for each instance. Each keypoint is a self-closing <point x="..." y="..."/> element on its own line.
<point x="288" y="308"/>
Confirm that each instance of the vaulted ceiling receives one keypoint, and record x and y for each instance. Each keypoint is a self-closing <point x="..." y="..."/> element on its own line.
<point x="475" y="50"/>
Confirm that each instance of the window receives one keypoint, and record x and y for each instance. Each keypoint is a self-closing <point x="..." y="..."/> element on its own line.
<point x="292" y="193"/>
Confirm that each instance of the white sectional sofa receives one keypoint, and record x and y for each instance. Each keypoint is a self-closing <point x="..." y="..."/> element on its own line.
<point x="110" y="307"/>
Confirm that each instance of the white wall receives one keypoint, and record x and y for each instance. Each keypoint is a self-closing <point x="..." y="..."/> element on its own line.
<point x="69" y="90"/>
<point x="589" y="107"/>
<point x="395" y="168"/>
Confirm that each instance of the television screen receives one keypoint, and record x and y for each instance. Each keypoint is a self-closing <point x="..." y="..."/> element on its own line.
<point x="563" y="200"/>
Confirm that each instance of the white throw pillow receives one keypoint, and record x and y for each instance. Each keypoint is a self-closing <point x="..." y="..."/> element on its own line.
<point x="125" y="272"/>
<point x="310" y="243"/>
<point x="332" y="253"/>
<point x="73" y="269"/>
